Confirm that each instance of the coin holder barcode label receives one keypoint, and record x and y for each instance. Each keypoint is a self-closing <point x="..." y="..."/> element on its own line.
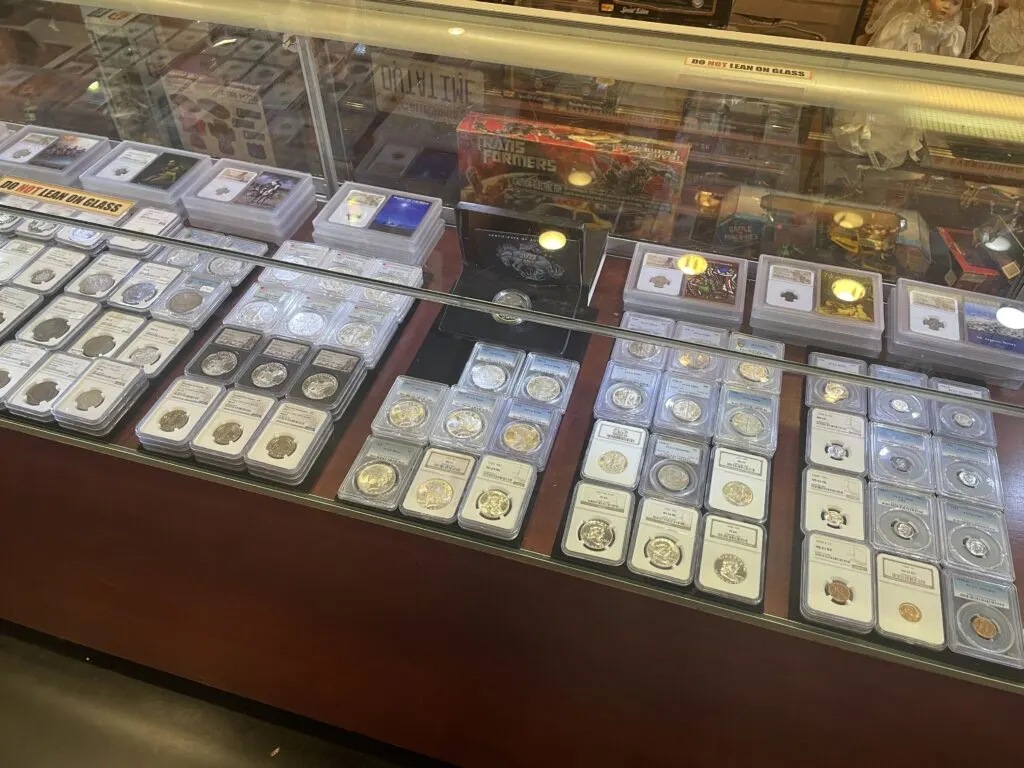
<point x="628" y="395"/>
<point x="273" y="369"/>
<point x="16" y="360"/>
<point x="57" y="323"/>
<point x="643" y="354"/>
<point x="902" y="457"/>
<point x="288" y="443"/>
<point x="974" y="539"/>
<point x="901" y="409"/>
<point x="467" y="421"/>
<point x="38" y="391"/>
<point x="973" y="423"/>
<point x="525" y="433"/>
<point x="909" y="601"/>
<point x="49" y="271"/>
<point x="361" y="330"/>
<point x="825" y="392"/>
<point x="547" y="381"/>
<point x="748" y="420"/>
<point x="225" y="356"/>
<point x="674" y="470"/>
<point x="983" y="619"/>
<point x="328" y="380"/>
<point x="292" y="252"/>
<point x="790" y="288"/>
<point x="260" y="308"/>
<point x="147" y="221"/>
<point x="176" y="416"/>
<point x="698" y="363"/>
<point x="664" y="542"/>
<point x="752" y="374"/>
<point x="738" y="484"/>
<point x="598" y="525"/>
<point x="191" y="301"/>
<point x="837" y="587"/>
<point x="97" y="400"/>
<point x="686" y="407"/>
<point x="102" y="276"/>
<point x="381" y="473"/>
<point x="344" y="264"/>
<point x="141" y="289"/>
<point x="904" y="522"/>
<point x="615" y="454"/>
<point x="155" y="346"/>
<point x="309" y="317"/>
<point x="410" y="410"/>
<point x="107" y="334"/>
<point x="16" y="306"/>
<point x="491" y="369"/>
<point x="732" y="560"/>
<point x="498" y="497"/>
<point x="14" y="255"/>
<point x="227" y="432"/>
<point x="834" y="503"/>
<point x="837" y="441"/>
<point x="435" y="492"/>
<point x="968" y="472"/>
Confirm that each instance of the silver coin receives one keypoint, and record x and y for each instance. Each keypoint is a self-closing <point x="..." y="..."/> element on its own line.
<point x="901" y="463"/>
<point x="968" y="478"/>
<point x="41" y="392"/>
<point x="306" y="324"/>
<point x="5" y="378"/>
<point x="510" y="298"/>
<point x="746" y="424"/>
<point x="627" y="397"/>
<point x="185" y="301"/>
<point x="267" y="375"/>
<point x="90" y="398"/>
<point x="144" y="356"/>
<point x="488" y="376"/>
<point x="356" y="335"/>
<point x="672" y="476"/>
<point x="223" y="266"/>
<point x="98" y="346"/>
<point x="51" y="329"/>
<point x="904" y="529"/>
<point x="258" y="314"/>
<point x="899" y="405"/>
<point x="976" y="546"/>
<point x="41" y="276"/>
<point x="219" y="363"/>
<point x="687" y="411"/>
<point x="833" y="518"/>
<point x="964" y="419"/>
<point x="182" y="258"/>
<point x="464" y="424"/>
<point x="139" y="293"/>
<point x="730" y="568"/>
<point x="643" y="350"/>
<point x="93" y="285"/>
<point x="546" y="389"/>
<point x="663" y="553"/>
<point x="319" y="386"/>
<point x="837" y="451"/>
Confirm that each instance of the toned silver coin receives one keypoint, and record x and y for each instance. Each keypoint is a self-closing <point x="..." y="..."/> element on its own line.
<point x="510" y="298"/>
<point x="687" y="411"/>
<point x="977" y="547"/>
<point x="964" y="419"/>
<point x="493" y="504"/>
<point x="51" y="329"/>
<point x="258" y="314"/>
<point x="488" y="376"/>
<point x="435" y="494"/>
<point x="833" y="518"/>
<point x="837" y="451"/>
<point x="219" y="363"/>
<point x="737" y="493"/>
<point x="612" y="462"/>
<point x="730" y="568"/>
<point x="834" y="392"/>
<point x="901" y="463"/>
<point x="627" y="397"/>
<point x="596" y="534"/>
<point x="521" y="437"/>
<point x="320" y="386"/>
<point x="41" y="392"/>
<point x="97" y="346"/>
<point x="227" y="433"/>
<point x="663" y="553"/>
<point x="698" y="361"/>
<point x="643" y="350"/>
<point x="376" y="478"/>
<point x="968" y="479"/>
<point x="543" y="388"/>
<point x="93" y="285"/>
<point x="899" y="405"/>
<point x="139" y="293"/>
<point x="755" y="372"/>
<point x="407" y="414"/>
<point x="306" y="324"/>
<point x="356" y="335"/>
<point x="173" y="420"/>
<point x="746" y="423"/>
<point x="5" y="378"/>
<point x="281" y="447"/>
<point x="267" y="375"/>
<point x="41" y="276"/>
<point x="672" y="476"/>
<point x="464" y="424"/>
<point x="904" y="529"/>
<point x="145" y="355"/>
<point x="183" y="302"/>
<point x="90" y="398"/>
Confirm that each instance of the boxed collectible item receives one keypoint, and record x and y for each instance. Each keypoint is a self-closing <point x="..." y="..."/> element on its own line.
<point x="49" y="155"/>
<point x="631" y="184"/>
<point x="147" y="173"/>
<point x="972" y="267"/>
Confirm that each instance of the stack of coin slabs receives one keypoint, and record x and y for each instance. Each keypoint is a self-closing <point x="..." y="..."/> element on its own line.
<point x="39" y="390"/>
<point x="226" y="434"/>
<point x="174" y="419"/>
<point x="16" y="360"/>
<point x="328" y="380"/>
<point x="289" y="443"/>
<point x="225" y="355"/>
<point x="148" y="221"/>
<point x="100" y="397"/>
<point x="49" y="155"/>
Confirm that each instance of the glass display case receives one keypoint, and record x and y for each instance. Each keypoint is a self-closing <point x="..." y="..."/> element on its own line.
<point x="728" y="321"/>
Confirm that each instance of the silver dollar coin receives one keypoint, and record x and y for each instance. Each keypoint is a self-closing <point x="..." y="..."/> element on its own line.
<point x="50" y="329"/>
<point x="91" y="398"/>
<point x="98" y="346"/>
<point x="222" y="266"/>
<point x="93" y="285"/>
<point x="464" y="424"/>
<point x="267" y="375"/>
<point x="672" y="476"/>
<point x="185" y="301"/>
<point x="627" y="397"/>
<point x="219" y="363"/>
<point x="306" y="324"/>
<point x="488" y="376"/>
<point x="546" y="389"/>
<point x="139" y="293"/>
<point x="356" y="335"/>
<point x="319" y="386"/>
<point x="41" y="276"/>
<point x="687" y="411"/>
<point x="147" y="355"/>
<point x="258" y="314"/>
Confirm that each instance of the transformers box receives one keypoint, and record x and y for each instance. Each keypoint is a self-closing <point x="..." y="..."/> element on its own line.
<point x="627" y="185"/>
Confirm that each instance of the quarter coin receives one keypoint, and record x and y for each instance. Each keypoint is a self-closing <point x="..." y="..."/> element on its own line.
<point x="281" y="447"/>
<point x="407" y="414"/>
<point x="493" y="504"/>
<point x="521" y="437"/>
<point x="543" y="388"/>
<point x="219" y="363"/>
<point x="488" y="376"/>
<point x="730" y="568"/>
<point x="737" y="493"/>
<point x="663" y="552"/>
<point x="376" y="478"/>
<point x="977" y="547"/>
<point x="435" y="494"/>
<point x="596" y="534"/>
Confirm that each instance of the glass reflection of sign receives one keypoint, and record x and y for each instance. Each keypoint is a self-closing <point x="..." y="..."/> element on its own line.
<point x="425" y="88"/>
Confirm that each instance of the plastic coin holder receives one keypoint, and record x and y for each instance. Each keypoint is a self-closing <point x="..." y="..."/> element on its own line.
<point x="675" y="470"/>
<point x="396" y="274"/>
<point x="42" y="229"/>
<point x="697" y="363"/>
<point x="908" y="600"/>
<point x="309" y="317"/>
<point x="362" y="330"/>
<point x="899" y="408"/>
<point x="410" y="410"/>
<point x="902" y="457"/>
<point x="106" y="335"/>
<point x="16" y="306"/>
<point x="753" y="374"/>
<point x="225" y="355"/>
<point x="664" y="544"/>
<point x="686" y="407"/>
<point x="491" y="370"/>
<point x="837" y="585"/>
<point x="599" y="523"/>
<point x="15" y="255"/>
<point x="143" y="287"/>
<point x="191" y="301"/>
<point x="292" y="252"/>
<point x="498" y="497"/>
<point x="185" y="259"/>
<point x="738" y="484"/>
<point x="147" y="221"/>
<point x="100" y="397"/>
<point x="732" y="560"/>
<point x="289" y="443"/>
<point x="155" y="346"/>
<point x="834" y="503"/>
<point x="58" y="322"/>
<point x="50" y="155"/>
<point x="175" y="418"/>
<point x="329" y="380"/>
<point x="748" y="420"/>
<point x="381" y="473"/>
<point x="628" y="395"/>
<point x="973" y="423"/>
<point x="231" y="270"/>
<point x="525" y="433"/>
<point x="200" y="237"/>
<point x="974" y="539"/>
<point x="260" y="308"/>
<point x="643" y="354"/>
<point x="824" y="392"/>
<point x="615" y="454"/>
<point x="546" y="381"/>
<point x="904" y="522"/>
<point x="81" y="236"/>
<point x="147" y="173"/>
<point x="342" y="263"/>
<point x="50" y="270"/>
<point x="837" y="441"/>
<point x="17" y="359"/>
<point x="273" y="369"/>
<point x="436" y="490"/>
<point x="968" y="472"/>
<point x="39" y="390"/>
<point x="983" y="619"/>
<point x="102" y="276"/>
<point x="226" y="434"/>
<point x="466" y="421"/>
<point x="8" y="221"/>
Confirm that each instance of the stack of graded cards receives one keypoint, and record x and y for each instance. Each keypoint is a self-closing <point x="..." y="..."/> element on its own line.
<point x="250" y="200"/>
<point x="50" y="155"/>
<point x="391" y="225"/>
<point x="100" y="397"/>
<point x="800" y="302"/>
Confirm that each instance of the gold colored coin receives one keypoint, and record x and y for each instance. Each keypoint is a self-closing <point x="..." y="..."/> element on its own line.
<point x="910" y="612"/>
<point x="596" y="534"/>
<point x="435" y="494"/>
<point x="835" y="392"/>
<point x="737" y="493"/>
<point x="699" y="361"/>
<point x="521" y="437"/>
<point x="493" y="504"/>
<point x="663" y="552"/>
<point x="376" y="478"/>
<point x="227" y="433"/>
<point x="984" y="627"/>
<point x="839" y="591"/>
<point x="759" y="374"/>
<point x="407" y="414"/>
<point x="613" y="462"/>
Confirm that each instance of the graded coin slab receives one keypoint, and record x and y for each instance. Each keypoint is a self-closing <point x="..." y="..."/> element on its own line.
<point x="225" y="356"/>
<point x="176" y="416"/>
<point x="525" y="433"/>
<point x="826" y="392"/>
<point x="56" y="323"/>
<point x="466" y="421"/>
<point x="598" y="525"/>
<point x="975" y="539"/>
<point x="837" y="441"/>
<point x="643" y="354"/>
<point x="837" y="583"/>
<point x="909" y="601"/>
<point x="38" y="391"/>
<point x="901" y="457"/>
<point x="547" y="381"/>
<point x="410" y="410"/>
<point x="747" y="420"/>
<point x="663" y="545"/>
<point x="614" y="454"/>
<point x="969" y="472"/>
<point x="16" y="361"/>
<point x="438" y="485"/>
<point x="274" y="369"/>
<point x="983" y="619"/>
<point x="686" y="407"/>
<point x="973" y="423"/>
<point x="260" y="308"/>
<point x="904" y="522"/>
<point x="674" y="470"/>
<point x="492" y="369"/>
<point x="732" y="559"/>
<point x="834" y="503"/>
<point x="697" y="364"/>
<point x="381" y="473"/>
<point x="748" y="374"/>
<point x="225" y="434"/>
<point x="738" y="484"/>
<point x="497" y="498"/>
<point x="901" y="409"/>
<point x="628" y="395"/>
<point x="289" y="443"/>
<point x="141" y="289"/>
